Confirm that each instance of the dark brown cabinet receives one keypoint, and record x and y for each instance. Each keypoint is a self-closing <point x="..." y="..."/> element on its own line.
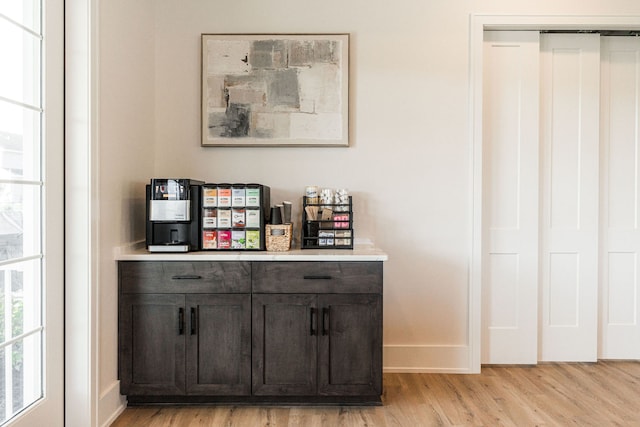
<point x="235" y="331"/>
<point x="350" y="349"/>
<point x="182" y="341"/>
<point x="218" y="351"/>
<point x="324" y="345"/>
<point x="317" y="329"/>
<point x="152" y="346"/>
<point x="285" y="345"/>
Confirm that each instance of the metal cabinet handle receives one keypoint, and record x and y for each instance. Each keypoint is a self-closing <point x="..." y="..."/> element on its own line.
<point x="313" y="315"/>
<point x="180" y="321"/>
<point x="325" y="321"/>
<point x="186" y="277"/>
<point x="313" y="277"/>
<point x="193" y="321"/>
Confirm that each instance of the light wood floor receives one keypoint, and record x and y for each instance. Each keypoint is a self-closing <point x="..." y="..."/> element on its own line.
<point x="576" y="394"/>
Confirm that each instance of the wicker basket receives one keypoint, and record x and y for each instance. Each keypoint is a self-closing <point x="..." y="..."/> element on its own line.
<point x="278" y="242"/>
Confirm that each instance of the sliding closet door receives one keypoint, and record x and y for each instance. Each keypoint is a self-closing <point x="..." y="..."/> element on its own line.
<point x="570" y="81"/>
<point x="620" y="121"/>
<point x="510" y="206"/>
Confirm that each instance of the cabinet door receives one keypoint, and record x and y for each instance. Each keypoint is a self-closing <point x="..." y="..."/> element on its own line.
<point x="284" y="344"/>
<point x="350" y="349"/>
<point x="152" y="344"/>
<point x="219" y="344"/>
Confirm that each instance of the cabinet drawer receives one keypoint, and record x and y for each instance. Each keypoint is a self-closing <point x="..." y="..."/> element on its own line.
<point x="184" y="277"/>
<point x="317" y="277"/>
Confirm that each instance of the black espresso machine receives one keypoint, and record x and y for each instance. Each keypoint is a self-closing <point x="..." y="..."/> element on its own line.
<point x="173" y="215"/>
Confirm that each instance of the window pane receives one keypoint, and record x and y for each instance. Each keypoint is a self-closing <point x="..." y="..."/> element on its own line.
<point x="20" y="375"/>
<point x="19" y="142"/>
<point x="19" y="221"/>
<point x="20" y="70"/>
<point x="20" y="304"/>
<point x="24" y="12"/>
<point x="21" y="281"/>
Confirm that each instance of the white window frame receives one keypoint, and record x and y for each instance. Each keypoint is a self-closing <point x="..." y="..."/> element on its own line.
<point x="49" y="409"/>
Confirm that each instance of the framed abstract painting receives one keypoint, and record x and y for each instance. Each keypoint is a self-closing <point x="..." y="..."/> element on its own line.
<point x="275" y="90"/>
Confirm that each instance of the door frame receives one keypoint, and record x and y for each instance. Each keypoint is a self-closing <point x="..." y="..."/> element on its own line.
<point x="82" y="254"/>
<point x="478" y="24"/>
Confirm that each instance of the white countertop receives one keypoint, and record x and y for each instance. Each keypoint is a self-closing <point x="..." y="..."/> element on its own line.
<point x="358" y="253"/>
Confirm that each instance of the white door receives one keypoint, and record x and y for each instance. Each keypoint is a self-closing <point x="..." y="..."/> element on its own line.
<point x="540" y="204"/>
<point x="620" y="121"/>
<point x="31" y="213"/>
<point x="510" y="254"/>
<point x="570" y="91"/>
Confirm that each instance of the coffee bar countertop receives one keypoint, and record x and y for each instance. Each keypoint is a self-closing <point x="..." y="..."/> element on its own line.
<point x="360" y="252"/>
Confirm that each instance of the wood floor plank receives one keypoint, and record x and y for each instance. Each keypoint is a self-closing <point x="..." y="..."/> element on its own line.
<point x="552" y="394"/>
<point x="521" y="396"/>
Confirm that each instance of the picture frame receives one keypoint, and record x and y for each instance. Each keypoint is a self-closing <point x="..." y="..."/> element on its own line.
<point x="275" y="90"/>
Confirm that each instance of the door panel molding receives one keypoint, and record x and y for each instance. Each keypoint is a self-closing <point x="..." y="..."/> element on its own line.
<point x="510" y="257"/>
<point x="620" y="118"/>
<point x="569" y="122"/>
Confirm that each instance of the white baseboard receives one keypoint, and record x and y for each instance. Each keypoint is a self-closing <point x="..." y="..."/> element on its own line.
<point x="110" y="405"/>
<point x="426" y="358"/>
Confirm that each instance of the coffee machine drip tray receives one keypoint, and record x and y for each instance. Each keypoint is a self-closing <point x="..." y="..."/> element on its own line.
<point x="168" y="248"/>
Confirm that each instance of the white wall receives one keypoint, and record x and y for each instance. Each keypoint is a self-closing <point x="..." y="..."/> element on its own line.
<point x="408" y="166"/>
<point x="125" y="150"/>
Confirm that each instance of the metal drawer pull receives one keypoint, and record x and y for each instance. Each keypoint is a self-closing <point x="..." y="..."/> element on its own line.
<point x="193" y="321"/>
<point x="318" y="277"/>
<point x="186" y="277"/>
<point x="325" y="321"/>
<point x="180" y="321"/>
<point x="313" y="315"/>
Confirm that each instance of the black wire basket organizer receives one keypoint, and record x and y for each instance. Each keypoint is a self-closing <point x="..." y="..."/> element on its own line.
<point x="332" y="227"/>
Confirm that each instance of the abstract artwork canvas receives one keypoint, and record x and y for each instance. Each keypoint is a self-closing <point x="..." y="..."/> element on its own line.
<point x="263" y="89"/>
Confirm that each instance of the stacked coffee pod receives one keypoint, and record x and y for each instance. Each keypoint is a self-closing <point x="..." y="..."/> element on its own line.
<point x="326" y="198"/>
<point x="311" y="192"/>
<point x="341" y="199"/>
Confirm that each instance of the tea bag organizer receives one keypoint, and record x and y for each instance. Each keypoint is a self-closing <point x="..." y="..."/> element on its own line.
<point x="234" y="216"/>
